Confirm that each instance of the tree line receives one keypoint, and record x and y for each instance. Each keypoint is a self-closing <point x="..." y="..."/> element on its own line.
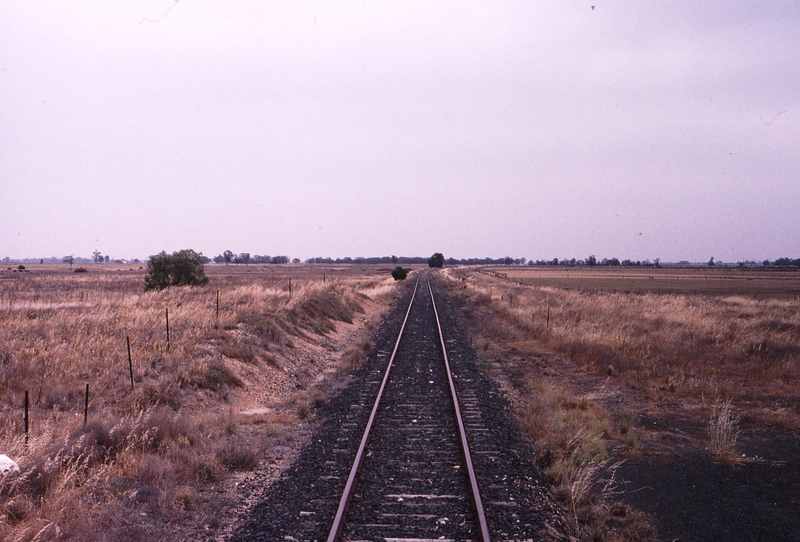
<point x="229" y="257"/>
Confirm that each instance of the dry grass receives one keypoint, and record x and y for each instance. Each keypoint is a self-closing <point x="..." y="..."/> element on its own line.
<point x="667" y="338"/>
<point x="151" y="452"/>
<point x="723" y="432"/>
<point x="737" y="347"/>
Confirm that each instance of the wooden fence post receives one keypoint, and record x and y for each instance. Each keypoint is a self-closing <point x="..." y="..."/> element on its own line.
<point x="26" y="418"/>
<point x="86" y="405"/>
<point x="130" y="361"/>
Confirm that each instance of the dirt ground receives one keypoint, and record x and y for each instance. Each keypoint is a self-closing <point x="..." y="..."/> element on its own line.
<point x="670" y="474"/>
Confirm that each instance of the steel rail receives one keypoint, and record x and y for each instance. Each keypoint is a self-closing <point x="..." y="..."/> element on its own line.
<point x="473" y="481"/>
<point x="344" y="502"/>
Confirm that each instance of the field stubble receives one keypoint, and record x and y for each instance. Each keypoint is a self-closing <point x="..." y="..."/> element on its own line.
<point x="225" y="395"/>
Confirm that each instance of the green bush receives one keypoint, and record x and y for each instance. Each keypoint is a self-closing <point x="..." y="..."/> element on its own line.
<point x="398" y="273"/>
<point x="183" y="268"/>
<point x="437" y="260"/>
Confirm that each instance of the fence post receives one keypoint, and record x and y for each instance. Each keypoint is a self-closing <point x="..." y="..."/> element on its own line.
<point x="218" y="304"/>
<point x="26" y="419"/>
<point x="86" y="405"/>
<point x="130" y="361"/>
<point x="167" y="311"/>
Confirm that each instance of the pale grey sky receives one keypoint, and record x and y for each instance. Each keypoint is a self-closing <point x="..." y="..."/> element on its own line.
<point x="535" y="129"/>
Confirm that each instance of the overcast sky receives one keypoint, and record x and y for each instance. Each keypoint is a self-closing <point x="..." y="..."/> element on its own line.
<point x="534" y="129"/>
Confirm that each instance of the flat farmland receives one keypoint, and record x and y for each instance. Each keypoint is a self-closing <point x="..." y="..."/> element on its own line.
<point x="763" y="283"/>
<point x="676" y="389"/>
<point x="174" y="427"/>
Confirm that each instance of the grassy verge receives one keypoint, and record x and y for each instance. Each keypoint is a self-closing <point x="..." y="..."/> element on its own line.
<point x="224" y="396"/>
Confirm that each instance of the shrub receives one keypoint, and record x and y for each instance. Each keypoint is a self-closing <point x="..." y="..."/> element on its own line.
<point x="398" y="273"/>
<point x="80" y="270"/>
<point x="437" y="260"/>
<point x="182" y="268"/>
<point x="237" y="455"/>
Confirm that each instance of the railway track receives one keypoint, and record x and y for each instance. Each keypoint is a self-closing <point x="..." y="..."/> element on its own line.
<point x="413" y="477"/>
<point x="409" y="477"/>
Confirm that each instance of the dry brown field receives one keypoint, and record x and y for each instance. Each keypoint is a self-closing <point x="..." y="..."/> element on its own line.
<point x="161" y="457"/>
<point x="610" y="368"/>
<point x="761" y="283"/>
<point x="590" y="358"/>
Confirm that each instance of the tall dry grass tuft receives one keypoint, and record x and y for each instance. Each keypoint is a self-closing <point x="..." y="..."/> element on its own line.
<point x="723" y="432"/>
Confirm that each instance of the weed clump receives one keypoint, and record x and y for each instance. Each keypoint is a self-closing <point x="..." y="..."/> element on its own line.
<point x="212" y="375"/>
<point x="237" y="455"/>
<point x="723" y="432"/>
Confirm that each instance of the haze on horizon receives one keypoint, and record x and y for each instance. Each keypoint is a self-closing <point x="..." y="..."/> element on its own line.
<point x="532" y="129"/>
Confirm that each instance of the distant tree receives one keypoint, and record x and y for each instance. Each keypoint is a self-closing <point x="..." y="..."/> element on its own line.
<point x="182" y="268"/>
<point x="97" y="257"/>
<point x="69" y="259"/>
<point x="280" y="259"/>
<point x="657" y="262"/>
<point x="613" y="261"/>
<point x="106" y="258"/>
<point x="711" y="261"/>
<point x="219" y="258"/>
<point x="787" y="262"/>
<point x="394" y="258"/>
<point x="227" y="256"/>
<point x="591" y="260"/>
<point x="437" y="260"/>
<point x="295" y="260"/>
<point x="398" y="273"/>
<point x="508" y="260"/>
<point x="244" y="258"/>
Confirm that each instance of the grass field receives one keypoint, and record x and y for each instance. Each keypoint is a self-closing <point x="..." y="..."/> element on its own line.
<point x="741" y="342"/>
<point x="718" y="346"/>
<point x="757" y="283"/>
<point x="227" y="392"/>
<point x="587" y="353"/>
